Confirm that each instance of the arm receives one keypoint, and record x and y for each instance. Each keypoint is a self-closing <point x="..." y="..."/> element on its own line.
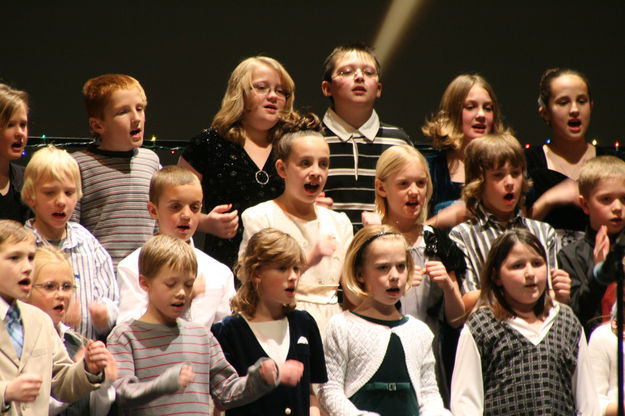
<point x="586" y="400"/>
<point x="454" y="308"/>
<point x="602" y="356"/>
<point x="467" y="389"/>
<point x="472" y="275"/>
<point x="106" y="307"/>
<point x="251" y="225"/>
<point x="450" y="216"/>
<point x="564" y="193"/>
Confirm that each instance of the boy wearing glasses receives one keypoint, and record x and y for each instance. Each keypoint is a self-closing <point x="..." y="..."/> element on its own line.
<point x="353" y="130"/>
<point x="51" y="189"/>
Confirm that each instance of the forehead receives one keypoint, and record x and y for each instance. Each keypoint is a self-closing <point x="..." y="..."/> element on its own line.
<point x="567" y="84"/>
<point x="265" y="72"/>
<point x="125" y="96"/>
<point x="386" y="245"/>
<point x="310" y="143"/>
<point x="49" y="180"/>
<point x="611" y="184"/>
<point x="477" y="92"/>
<point x="412" y="167"/>
<point x="12" y="243"/>
<point x="353" y="57"/>
<point x="188" y="191"/>
<point x="521" y="249"/>
<point x="54" y="270"/>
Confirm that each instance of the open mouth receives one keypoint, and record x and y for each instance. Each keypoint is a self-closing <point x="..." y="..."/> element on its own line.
<point x="184" y="227"/>
<point x="59" y="215"/>
<point x="508" y="197"/>
<point x="18" y="145"/>
<point x="178" y="305"/>
<point x="290" y="291"/>
<point x="575" y="122"/>
<point x="359" y="89"/>
<point x="24" y="283"/>
<point x="479" y="126"/>
<point x="413" y="204"/>
<point x="271" y="107"/>
<point x="311" y="187"/>
<point x="393" y="291"/>
<point x="135" y="132"/>
<point x="59" y="308"/>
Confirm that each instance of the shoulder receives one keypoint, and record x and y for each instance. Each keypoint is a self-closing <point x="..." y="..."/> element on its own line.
<point x="301" y="317"/>
<point x="32" y="312"/>
<point x="393" y="132"/>
<point x="130" y="261"/>
<point x="337" y="217"/>
<point x="207" y="138"/>
<point x="265" y="207"/>
<point x="147" y="154"/>
<point x="206" y="261"/>
<point x="415" y="326"/>
<point x="80" y="234"/>
<point x="536" y="225"/>
<point x="535" y="157"/>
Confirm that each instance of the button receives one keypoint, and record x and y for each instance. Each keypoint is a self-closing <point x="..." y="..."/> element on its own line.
<point x="287" y="411"/>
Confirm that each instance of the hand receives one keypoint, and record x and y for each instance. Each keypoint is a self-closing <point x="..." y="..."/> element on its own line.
<point x="24" y="388"/>
<point x="72" y="316"/>
<point x="186" y="376"/>
<point x="564" y="193"/>
<point x="96" y="356"/>
<point x="417" y="276"/>
<point x="324" y="201"/>
<point x="199" y="286"/>
<point x="370" y="218"/>
<point x="325" y="246"/>
<point x="111" y="371"/>
<point x="561" y="283"/>
<point x="602" y="245"/>
<point x="99" y="316"/>
<point x="291" y="372"/>
<point x="220" y="222"/>
<point x="438" y="273"/>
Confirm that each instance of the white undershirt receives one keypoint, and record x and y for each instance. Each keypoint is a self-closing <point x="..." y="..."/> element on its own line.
<point x="273" y="337"/>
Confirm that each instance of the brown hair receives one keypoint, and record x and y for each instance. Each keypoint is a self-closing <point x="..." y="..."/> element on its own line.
<point x="10" y="100"/>
<point x="329" y="64"/>
<point x="544" y="86"/>
<point x="267" y="247"/>
<point x="166" y="251"/>
<point x="305" y="125"/>
<point x="597" y="169"/>
<point x="13" y="231"/>
<point x="445" y="128"/>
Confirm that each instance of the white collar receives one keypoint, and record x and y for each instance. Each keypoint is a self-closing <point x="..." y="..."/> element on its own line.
<point x="345" y="131"/>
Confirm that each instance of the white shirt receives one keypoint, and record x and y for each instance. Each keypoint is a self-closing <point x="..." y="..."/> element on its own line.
<point x="602" y="352"/>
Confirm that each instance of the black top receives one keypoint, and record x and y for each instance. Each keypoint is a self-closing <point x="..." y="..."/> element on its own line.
<point x="230" y="176"/>
<point x="11" y="205"/>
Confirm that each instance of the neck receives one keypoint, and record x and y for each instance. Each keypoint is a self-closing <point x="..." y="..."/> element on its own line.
<point x="571" y="150"/>
<point x="153" y="316"/>
<point x="354" y="115"/>
<point x="49" y="233"/>
<point x="266" y="312"/>
<point x="372" y="309"/>
<point x="5" y="170"/>
<point x="297" y="208"/>
<point x="259" y="137"/>
<point x="407" y="226"/>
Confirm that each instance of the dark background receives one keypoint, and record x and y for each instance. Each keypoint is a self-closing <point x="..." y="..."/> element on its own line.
<point x="183" y="54"/>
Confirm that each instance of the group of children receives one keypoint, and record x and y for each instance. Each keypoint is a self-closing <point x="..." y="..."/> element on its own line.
<point x="180" y="339"/>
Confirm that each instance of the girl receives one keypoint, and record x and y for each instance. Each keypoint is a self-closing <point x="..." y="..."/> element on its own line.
<point x="52" y="289"/>
<point x="403" y="189"/>
<point x="565" y="104"/>
<point x="468" y="109"/>
<point x="379" y="361"/>
<point x="302" y="159"/>
<point x="521" y="353"/>
<point x="13" y="140"/>
<point x="233" y="158"/>
<point x="265" y="323"/>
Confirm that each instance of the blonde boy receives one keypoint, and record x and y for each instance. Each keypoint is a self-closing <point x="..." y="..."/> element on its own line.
<point x="353" y="130"/>
<point x="159" y="354"/>
<point x="496" y="184"/>
<point x="602" y="197"/>
<point x="33" y="360"/>
<point x="116" y="170"/>
<point x="176" y="203"/>
<point x="51" y="190"/>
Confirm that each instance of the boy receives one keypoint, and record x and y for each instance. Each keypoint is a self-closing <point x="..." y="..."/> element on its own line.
<point x="602" y="197"/>
<point x="33" y="360"/>
<point x="158" y="355"/>
<point x="115" y="170"/>
<point x="353" y="130"/>
<point x="496" y="184"/>
<point x="52" y="189"/>
<point x="176" y="203"/>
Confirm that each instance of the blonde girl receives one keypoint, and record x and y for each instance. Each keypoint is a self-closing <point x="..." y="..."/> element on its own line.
<point x="265" y="323"/>
<point x="13" y="140"/>
<point x="520" y="352"/>
<point x="379" y="361"/>
<point x="302" y="160"/>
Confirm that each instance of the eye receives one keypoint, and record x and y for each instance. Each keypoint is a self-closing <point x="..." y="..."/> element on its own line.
<point x="401" y="267"/>
<point x="50" y="286"/>
<point x="422" y="183"/>
<point x="583" y="100"/>
<point x="196" y="207"/>
<point x="488" y="108"/>
<point x="175" y="207"/>
<point x="562" y="101"/>
<point x="515" y="173"/>
<point x="324" y="164"/>
<point x="469" y="106"/>
<point x="261" y="88"/>
<point x="305" y="163"/>
<point x="369" y="72"/>
<point x="189" y="285"/>
<point x="345" y="72"/>
<point x="538" y="263"/>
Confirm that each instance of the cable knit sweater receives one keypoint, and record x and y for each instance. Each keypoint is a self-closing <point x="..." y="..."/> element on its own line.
<point x="355" y="349"/>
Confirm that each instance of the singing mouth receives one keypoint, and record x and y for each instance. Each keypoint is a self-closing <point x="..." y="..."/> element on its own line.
<point x="312" y="187"/>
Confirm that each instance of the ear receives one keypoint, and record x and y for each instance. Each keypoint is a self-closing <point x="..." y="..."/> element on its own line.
<point x="359" y="276"/>
<point x="379" y="92"/>
<point x="496" y="279"/>
<point x="281" y="168"/>
<point x="153" y="210"/>
<point x="326" y="88"/>
<point x="584" y="204"/>
<point x="96" y="125"/>
<point x="379" y="188"/>
<point x="144" y="282"/>
<point x="545" y="114"/>
<point x="29" y="201"/>
<point x="592" y="105"/>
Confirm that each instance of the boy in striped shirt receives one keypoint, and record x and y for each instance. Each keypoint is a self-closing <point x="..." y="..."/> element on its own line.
<point x="167" y="365"/>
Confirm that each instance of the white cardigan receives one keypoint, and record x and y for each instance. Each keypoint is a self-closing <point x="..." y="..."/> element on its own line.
<point x="355" y="349"/>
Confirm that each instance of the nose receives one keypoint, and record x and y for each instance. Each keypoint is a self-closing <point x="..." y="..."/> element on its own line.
<point x="22" y="131"/>
<point x="413" y="189"/>
<point x="61" y="199"/>
<point x="28" y="266"/>
<point x="186" y="212"/>
<point x="480" y="113"/>
<point x="574" y="108"/>
<point x="618" y="205"/>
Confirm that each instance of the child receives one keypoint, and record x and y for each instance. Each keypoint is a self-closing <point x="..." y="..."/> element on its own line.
<point x="159" y="354"/>
<point x="176" y="203"/>
<point x="302" y="159"/>
<point x="52" y="290"/>
<point x="33" y="360"/>
<point x="602" y="196"/>
<point x="403" y="189"/>
<point x="379" y="360"/>
<point x="520" y="353"/>
<point x="52" y="189"/>
<point x="602" y="351"/>
<point x="468" y="109"/>
<point x="494" y="192"/>
<point x="356" y="136"/>
<point x="116" y="170"/>
<point x="265" y="324"/>
<point x="13" y="139"/>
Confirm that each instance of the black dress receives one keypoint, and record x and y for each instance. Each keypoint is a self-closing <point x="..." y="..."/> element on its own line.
<point x="230" y="176"/>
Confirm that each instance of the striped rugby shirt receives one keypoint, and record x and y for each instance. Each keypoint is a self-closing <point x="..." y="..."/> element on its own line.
<point x="353" y="156"/>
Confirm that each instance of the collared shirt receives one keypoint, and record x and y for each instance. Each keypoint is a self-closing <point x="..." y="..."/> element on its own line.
<point x="4" y="308"/>
<point x="476" y="236"/>
<point x="93" y="273"/>
<point x="354" y="153"/>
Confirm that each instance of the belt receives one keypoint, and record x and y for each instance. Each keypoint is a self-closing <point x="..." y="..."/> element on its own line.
<point x="378" y="386"/>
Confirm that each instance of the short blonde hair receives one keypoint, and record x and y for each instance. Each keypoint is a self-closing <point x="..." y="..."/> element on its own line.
<point x="97" y="91"/>
<point x="13" y="231"/>
<point x="597" y="169"/>
<point x="392" y="161"/>
<point x="49" y="254"/>
<point x="227" y="121"/>
<point x="169" y="176"/>
<point x="10" y="100"/>
<point x="491" y="152"/>
<point x="267" y="247"/>
<point x="166" y="251"/>
<point x="50" y="162"/>
<point x="445" y="128"/>
<point x="357" y="251"/>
